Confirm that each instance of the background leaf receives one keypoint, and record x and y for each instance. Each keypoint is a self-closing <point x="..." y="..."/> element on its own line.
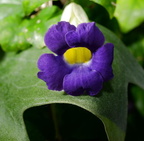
<point x="108" y="4"/>
<point x="129" y="14"/>
<point x="21" y="89"/>
<point x="18" y="7"/>
<point x="137" y="49"/>
<point x="30" y="5"/>
<point x="19" y="33"/>
<point x="138" y="95"/>
<point x="8" y="7"/>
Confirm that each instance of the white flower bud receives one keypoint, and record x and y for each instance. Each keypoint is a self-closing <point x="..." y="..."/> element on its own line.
<point x="74" y="14"/>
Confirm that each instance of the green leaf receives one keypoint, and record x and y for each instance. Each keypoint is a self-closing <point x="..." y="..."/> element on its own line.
<point x="8" y="7"/>
<point x="11" y="37"/>
<point x="19" y="30"/>
<point x="21" y="89"/>
<point x="129" y="14"/>
<point x="23" y="7"/>
<point x="31" y="5"/>
<point x="138" y="95"/>
<point x="137" y="49"/>
<point x="19" y="34"/>
<point x="37" y="26"/>
<point x="110" y="5"/>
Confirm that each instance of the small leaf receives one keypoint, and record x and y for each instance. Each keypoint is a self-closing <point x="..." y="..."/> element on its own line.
<point x="110" y="5"/>
<point x="21" y="89"/>
<point x="129" y="14"/>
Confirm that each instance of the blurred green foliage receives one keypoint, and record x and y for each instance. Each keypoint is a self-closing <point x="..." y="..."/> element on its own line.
<point x="129" y="14"/>
<point x="25" y="25"/>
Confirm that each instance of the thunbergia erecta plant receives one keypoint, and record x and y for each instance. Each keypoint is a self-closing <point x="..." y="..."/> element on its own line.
<point x="81" y="63"/>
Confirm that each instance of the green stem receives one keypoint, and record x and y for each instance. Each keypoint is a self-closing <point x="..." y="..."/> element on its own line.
<point x="56" y="123"/>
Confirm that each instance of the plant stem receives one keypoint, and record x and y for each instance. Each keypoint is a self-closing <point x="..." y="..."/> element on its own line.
<point x="56" y="123"/>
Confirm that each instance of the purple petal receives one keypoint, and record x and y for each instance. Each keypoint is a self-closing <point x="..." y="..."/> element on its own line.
<point x="53" y="69"/>
<point x="81" y="79"/>
<point x="86" y="35"/>
<point x="102" y="61"/>
<point x="55" y="37"/>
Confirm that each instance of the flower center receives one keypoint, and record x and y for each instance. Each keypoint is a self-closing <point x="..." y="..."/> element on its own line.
<point x="77" y="55"/>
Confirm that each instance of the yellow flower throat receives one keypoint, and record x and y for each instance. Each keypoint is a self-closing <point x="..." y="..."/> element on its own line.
<point x="77" y="55"/>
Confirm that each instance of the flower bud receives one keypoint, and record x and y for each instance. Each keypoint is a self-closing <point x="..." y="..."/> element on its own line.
<point x="74" y="14"/>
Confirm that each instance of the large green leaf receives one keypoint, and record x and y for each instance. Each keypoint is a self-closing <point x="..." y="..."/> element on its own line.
<point x="110" y="5"/>
<point x="129" y="14"/>
<point x="20" y="89"/>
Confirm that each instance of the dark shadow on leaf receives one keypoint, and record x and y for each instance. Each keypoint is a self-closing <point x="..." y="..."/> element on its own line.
<point x="2" y="54"/>
<point x="135" y="125"/>
<point x="107" y="87"/>
<point x="73" y="124"/>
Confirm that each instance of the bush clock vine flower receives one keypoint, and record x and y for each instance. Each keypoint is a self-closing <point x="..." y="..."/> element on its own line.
<point x="81" y="63"/>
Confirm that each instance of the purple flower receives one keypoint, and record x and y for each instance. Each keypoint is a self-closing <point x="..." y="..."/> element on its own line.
<point x="82" y="61"/>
